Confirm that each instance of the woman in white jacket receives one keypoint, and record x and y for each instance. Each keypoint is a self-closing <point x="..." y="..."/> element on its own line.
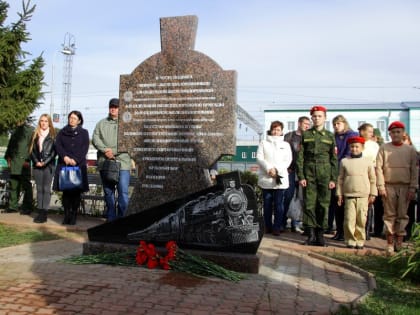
<point x="274" y="156"/>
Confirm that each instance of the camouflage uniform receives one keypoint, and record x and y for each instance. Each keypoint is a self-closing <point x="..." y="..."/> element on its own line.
<point x="20" y="168"/>
<point x="317" y="163"/>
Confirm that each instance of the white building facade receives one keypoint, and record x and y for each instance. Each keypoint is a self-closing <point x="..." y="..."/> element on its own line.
<point x="379" y="115"/>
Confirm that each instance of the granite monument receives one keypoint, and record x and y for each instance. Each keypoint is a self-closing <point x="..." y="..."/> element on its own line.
<point x="177" y="118"/>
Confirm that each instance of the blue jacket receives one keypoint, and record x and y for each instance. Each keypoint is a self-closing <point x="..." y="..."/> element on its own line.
<point x="343" y="149"/>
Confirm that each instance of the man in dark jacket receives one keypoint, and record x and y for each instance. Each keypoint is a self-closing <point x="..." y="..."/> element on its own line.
<point x="18" y="160"/>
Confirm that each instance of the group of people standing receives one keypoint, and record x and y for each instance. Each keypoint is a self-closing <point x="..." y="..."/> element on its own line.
<point x="46" y="151"/>
<point x="345" y="176"/>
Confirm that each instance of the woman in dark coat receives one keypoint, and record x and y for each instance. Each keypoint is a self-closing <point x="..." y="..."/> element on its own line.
<point x="43" y="160"/>
<point x="72" y="145"/>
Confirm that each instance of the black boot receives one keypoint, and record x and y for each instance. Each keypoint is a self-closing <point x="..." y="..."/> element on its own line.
<point x="339" y="236"/>
<point x="41" y="217"/>
<point x="72" y="217"/>
<point x="311" y="237"/>
<point x="319" y="235"/>
<point x="66" y="218"/>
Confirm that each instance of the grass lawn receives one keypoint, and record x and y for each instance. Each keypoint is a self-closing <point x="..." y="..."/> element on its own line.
<point x="14" y="235"/>
<point x="393" y="295"/>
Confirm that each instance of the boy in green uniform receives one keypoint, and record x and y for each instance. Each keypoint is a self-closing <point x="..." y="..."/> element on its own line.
<point x="317" y="173"/>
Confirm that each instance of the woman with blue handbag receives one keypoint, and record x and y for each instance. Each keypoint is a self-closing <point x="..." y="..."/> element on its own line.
<point x="72" y="145"/>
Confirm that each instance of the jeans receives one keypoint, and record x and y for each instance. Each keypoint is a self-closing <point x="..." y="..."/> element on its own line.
<point x="43" y="178"/>
<point x="270" y="197"/>
<point x="114" y="211"/>
<point x="288" y="196"/>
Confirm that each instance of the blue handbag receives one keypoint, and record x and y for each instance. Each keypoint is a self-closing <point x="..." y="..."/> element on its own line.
<point x="70" y="178"/>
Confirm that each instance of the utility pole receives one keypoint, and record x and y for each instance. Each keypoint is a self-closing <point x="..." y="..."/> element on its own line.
<point x="69" y="50"/>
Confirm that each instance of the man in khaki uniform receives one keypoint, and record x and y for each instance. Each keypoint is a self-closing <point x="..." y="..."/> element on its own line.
<point x="397" y="178"/>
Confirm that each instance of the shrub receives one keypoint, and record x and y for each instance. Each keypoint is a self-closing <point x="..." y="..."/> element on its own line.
<point x="409" y="256"/>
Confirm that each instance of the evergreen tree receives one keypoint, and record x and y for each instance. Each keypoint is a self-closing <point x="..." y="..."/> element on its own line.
<point x="20" y="79"/>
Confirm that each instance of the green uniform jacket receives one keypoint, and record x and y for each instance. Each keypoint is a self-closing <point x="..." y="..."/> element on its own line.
<point x="317" y="148"/>
<point x="105" y="136"/>
<point x="18" y="149"/>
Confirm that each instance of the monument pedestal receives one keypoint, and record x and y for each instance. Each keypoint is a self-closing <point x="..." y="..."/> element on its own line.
<point x="246" y="263"/>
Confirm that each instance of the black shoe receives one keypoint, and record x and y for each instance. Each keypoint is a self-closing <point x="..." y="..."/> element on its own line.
<point x="328" y="231"/>
<point x="41" y="217"/>
<point x="11" y="210"/>
<point x="338" y="237"/>
<point x="311" y="237"/>
<point x="359" y="247"/>
<point x="25" y="212"/>
<point x="351" y="246"/>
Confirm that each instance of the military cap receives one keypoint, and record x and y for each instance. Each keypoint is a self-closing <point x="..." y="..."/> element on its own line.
<point x="318" y="108"/>
<point x="356" y="139"/>
<point x="396" y="124"/>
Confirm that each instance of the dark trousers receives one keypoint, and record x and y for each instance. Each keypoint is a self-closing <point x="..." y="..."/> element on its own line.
<point x="71" y="203"/>
<point x="18" y="184"/>
<point x="337" y="213"/>
<point x="411" y="217"/>
<point x="273" y="200"/>
<point x="378" y="216"/>
<point x="331" y="211"/>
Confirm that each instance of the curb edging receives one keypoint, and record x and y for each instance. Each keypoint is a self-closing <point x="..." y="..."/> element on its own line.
<point x="370" y="278"/>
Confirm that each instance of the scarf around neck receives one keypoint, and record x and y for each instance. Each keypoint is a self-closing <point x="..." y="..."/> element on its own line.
<point x="42" y="134"/>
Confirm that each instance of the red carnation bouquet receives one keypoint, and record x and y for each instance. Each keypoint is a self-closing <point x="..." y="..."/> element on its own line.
<point x="175" y="259"/>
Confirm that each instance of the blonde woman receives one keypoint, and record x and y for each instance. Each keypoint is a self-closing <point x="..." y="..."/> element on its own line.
<point x="43" y="159"/>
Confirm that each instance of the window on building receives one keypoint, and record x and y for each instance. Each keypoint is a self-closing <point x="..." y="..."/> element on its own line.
<point x="254" y="155"/>
<point x="290" y="125"/>
<point x="380" y="124"/>
<point x="328" y="125"/>
<point x="244" y="155"/>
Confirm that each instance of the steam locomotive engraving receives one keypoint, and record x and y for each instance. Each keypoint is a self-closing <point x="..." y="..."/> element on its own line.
<point x="219" y="218"/>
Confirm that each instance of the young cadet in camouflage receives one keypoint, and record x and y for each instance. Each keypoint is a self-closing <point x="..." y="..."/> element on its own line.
<point x="317" y="172"/>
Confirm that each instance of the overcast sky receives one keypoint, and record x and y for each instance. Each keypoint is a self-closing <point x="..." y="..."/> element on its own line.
<point x="285" y="52"/>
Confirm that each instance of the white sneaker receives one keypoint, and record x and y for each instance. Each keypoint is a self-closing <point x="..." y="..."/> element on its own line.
<point x="297" y="230"/>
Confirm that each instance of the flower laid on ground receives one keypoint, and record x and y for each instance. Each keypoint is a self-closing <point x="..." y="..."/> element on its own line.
<point x="175" y="259"/>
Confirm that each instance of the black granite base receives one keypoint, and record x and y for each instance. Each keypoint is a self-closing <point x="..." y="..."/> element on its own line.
<point x="246" y="263"/>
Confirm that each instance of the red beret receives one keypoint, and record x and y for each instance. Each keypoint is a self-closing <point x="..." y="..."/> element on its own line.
<point x="318" y="108"/>
<point x="396" y="124"/>
<point x="356" y="140"/>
